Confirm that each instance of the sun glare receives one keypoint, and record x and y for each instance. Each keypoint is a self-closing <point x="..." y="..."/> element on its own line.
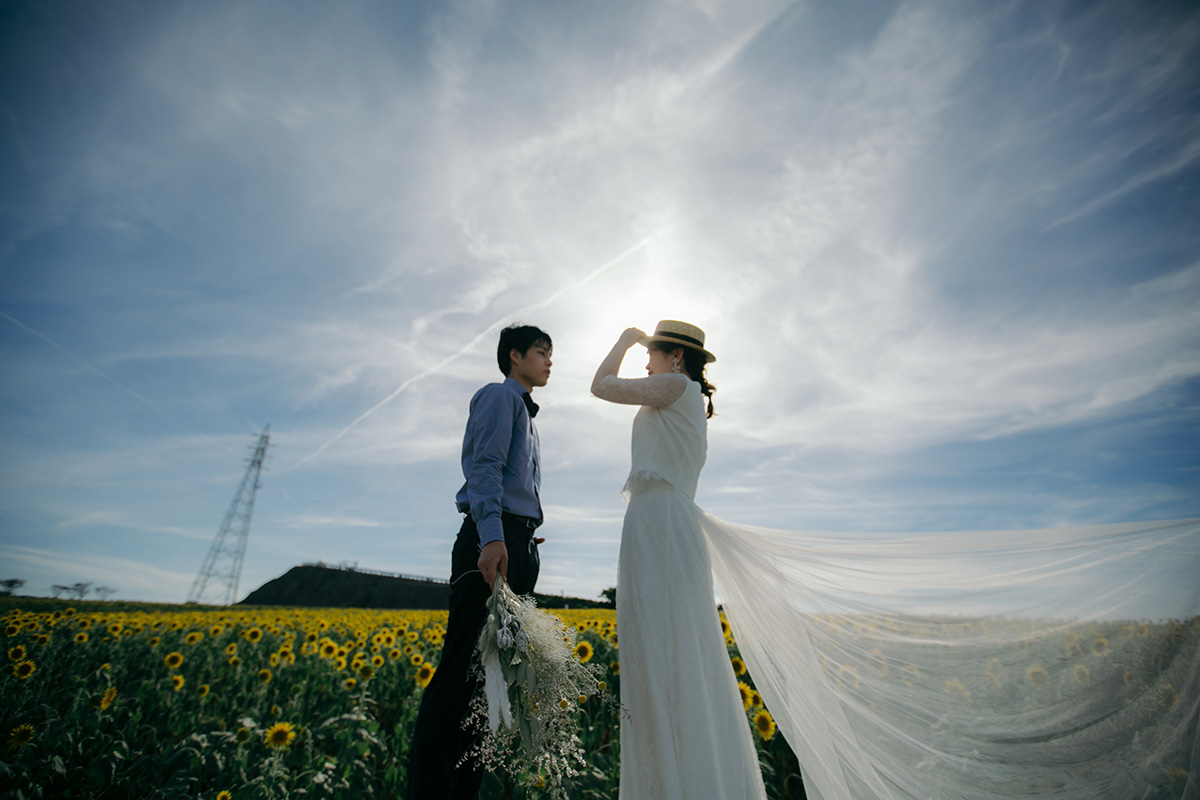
<point x="639" y="303"/>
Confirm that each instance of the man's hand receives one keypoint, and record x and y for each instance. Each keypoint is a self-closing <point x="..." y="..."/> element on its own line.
<point x="493" y="559"/>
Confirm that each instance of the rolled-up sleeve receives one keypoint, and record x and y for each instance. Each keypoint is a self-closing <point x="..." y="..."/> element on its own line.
<point x="491" y="431"/>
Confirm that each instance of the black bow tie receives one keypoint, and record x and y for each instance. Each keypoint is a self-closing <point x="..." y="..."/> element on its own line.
<point x="529" y="404"/>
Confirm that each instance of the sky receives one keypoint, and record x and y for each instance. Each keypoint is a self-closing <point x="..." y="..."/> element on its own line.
<point x="946" y="254"/>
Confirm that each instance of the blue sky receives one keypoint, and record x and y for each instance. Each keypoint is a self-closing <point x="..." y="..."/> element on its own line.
<point x="947" y="256"/>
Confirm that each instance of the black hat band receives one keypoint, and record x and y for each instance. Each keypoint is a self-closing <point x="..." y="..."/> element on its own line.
<point x="680" y="337"/>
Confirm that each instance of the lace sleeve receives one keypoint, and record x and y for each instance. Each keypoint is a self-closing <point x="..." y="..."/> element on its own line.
<point x="654" y="390"/>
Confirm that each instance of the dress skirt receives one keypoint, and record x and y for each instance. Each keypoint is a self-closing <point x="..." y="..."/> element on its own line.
<point x="685" y="734"/>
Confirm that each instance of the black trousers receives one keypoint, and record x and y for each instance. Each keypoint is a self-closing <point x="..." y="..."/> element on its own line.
<point x="438" y="739"/>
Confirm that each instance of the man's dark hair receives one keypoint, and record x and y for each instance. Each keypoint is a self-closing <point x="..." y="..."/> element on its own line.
<point x="519" y="338"/>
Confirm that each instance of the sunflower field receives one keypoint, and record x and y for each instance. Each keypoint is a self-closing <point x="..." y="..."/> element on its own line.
<point x="104" y="700"/>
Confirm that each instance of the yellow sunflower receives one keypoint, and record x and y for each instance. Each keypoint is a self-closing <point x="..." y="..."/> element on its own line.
<point x="1038" y="676"/>
<point x="193" y="638"/>
<point x="253" y="635"/>
<point x="178" y="682"/>
<point x="739" y="666"/>
<point x="960" y="693"/>
<point x="417" y="659"/>
<point x="1168" y="698"/>
<point x="264" y="675"/>
<point x="764" y="723"/>
<point x="173" y="660"/>
<point x="24" y="669"/>
<point x="1083" y="675"/>
<point x="224" y="795"/>
<point x="281" y="734"/>
<point x="349" y="683"/>
<point x="847" y="677"/>
<point x="81" y="637"/>
<point x="106" y="699"/>
<point x="20" y="736"/>
<point x="424" y="675"/>
<point x="204" y="690"/>
<point x="747" y="694"/>
<point x="16" y="653"/>
<point x="583" y="652"/>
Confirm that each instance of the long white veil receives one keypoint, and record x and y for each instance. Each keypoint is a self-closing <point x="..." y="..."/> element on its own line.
<point x="1058" y="663"/>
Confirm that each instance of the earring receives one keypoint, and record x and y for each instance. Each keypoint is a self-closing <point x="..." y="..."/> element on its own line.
<point x="675" y="365"/>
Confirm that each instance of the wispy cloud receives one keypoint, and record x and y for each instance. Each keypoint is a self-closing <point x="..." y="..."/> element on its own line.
<point x="133" y="578"/>
<point x="327" y="521"/>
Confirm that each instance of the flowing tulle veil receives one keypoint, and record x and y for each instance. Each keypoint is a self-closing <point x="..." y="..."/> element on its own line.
<point x="1059" y="663"/>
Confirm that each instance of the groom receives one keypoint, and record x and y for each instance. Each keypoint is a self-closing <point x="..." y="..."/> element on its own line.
<point x="500" y="461"/>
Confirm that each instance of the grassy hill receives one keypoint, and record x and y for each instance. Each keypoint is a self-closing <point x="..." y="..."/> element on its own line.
<point x="322" y="586"/>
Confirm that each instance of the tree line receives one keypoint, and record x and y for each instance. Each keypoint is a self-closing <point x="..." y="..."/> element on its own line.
<point x="9" y="586"/>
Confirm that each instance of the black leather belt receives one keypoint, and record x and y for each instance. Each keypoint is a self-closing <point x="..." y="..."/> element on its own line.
<point x="528" y="522"/>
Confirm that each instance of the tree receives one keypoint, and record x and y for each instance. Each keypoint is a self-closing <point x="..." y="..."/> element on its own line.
<point x="80" y="589"/>
<point x="610" y="595"/>
<point x="58" y="589"/>
<point x="9" y="585"/>
<point x="105" y="592"/>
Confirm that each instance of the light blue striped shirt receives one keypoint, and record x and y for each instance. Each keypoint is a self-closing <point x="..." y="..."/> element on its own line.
<point x="500" y="460"/>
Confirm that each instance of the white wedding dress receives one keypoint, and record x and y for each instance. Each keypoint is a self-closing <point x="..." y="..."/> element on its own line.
<point x="684" y="733"/>
<point x="1057" y="663"/>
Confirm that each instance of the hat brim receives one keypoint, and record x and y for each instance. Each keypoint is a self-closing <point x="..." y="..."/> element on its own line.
<point x="646" y="340"/>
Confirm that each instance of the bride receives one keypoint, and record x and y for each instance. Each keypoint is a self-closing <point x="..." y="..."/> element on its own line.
<point x="1058" y="663"/>
<point x="685" y="734"/>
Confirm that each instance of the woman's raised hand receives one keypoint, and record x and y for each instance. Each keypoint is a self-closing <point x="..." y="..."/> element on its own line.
<point x="631" y="336"/>
<point x="612" y="362"/>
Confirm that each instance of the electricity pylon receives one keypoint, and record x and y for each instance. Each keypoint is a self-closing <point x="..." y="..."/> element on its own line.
<point x="223" y="565"/>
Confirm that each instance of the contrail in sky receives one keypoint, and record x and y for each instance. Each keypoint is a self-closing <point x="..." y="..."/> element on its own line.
<point x="95" y="370"/>
<point x="487" y="333"/>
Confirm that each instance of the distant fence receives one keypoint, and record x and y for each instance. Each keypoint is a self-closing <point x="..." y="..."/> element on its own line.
<point x="344" y="567"/>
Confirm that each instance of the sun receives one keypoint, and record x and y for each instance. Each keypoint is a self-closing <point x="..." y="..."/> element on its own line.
<point x="612" y="306"/>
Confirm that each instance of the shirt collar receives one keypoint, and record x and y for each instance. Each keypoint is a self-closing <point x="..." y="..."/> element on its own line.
<point x="516" y="386"/>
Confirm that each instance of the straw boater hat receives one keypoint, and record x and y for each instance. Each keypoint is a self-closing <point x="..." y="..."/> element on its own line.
<point x="674" y="332"/>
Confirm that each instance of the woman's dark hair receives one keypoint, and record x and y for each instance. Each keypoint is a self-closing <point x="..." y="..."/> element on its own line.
<point x="519" y="338"/>
<point x="693" y="364"/>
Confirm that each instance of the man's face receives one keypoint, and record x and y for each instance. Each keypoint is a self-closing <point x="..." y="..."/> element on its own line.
<point x="533" y="368"/>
